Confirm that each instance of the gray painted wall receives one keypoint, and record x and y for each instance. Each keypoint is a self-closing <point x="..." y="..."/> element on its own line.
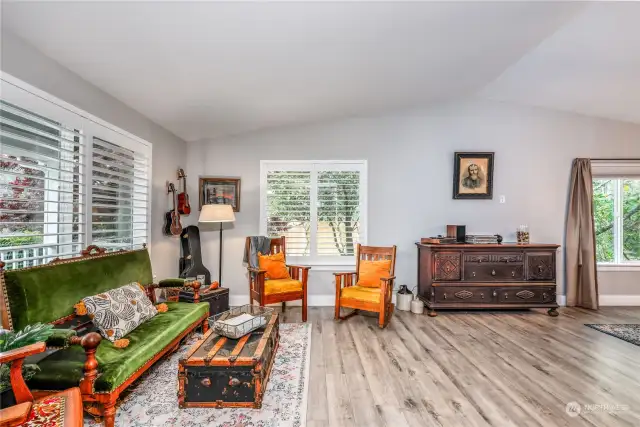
<point x="21" y="60"/>
<point x="410" y="177"/>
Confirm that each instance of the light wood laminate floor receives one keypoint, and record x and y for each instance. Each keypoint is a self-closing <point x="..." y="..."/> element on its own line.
<point x="477" y="368"/>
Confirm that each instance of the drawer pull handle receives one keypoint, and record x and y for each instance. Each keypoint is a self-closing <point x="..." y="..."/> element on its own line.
<point x="206" y="382"/>
<point x="493" y="272"/>
<point x="233" y="382"/>
<point x="473" y="274"/>
<point x="445" y="295"/>
<point x="495" y="293"/>
<point x="506" y="296"/>
<point x="545" y="296"/>
<point x="513" y="274"/>
<point x="482" y="296"/>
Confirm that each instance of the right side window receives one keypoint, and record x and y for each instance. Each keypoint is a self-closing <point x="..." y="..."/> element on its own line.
<point x="616" y="211"/>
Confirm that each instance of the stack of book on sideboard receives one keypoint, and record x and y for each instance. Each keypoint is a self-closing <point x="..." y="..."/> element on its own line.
<point x="481" y="239"/>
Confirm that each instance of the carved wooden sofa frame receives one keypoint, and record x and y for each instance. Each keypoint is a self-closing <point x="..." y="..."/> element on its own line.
<point x="101" y="404"/>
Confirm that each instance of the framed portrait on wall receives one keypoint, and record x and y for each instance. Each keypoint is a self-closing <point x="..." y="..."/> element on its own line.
<point x="220" y="191"/>
<point x="473" y="176"/>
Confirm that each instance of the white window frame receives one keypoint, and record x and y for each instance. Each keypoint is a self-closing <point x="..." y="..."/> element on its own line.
<point x="24" y="95"/>
<point x="318" y="262"/>
<point x="618" y="171"/>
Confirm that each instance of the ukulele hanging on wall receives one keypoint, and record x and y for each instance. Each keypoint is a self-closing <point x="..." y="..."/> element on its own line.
<point x="183" y="198"/>
<point x="172" y="226"/>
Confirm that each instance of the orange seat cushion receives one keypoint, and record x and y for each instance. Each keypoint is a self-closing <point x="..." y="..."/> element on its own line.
<point x="274" y="265"/>
<point x="280" y="286"/>
<point x="371" y="272"/>
<point x="361" y="293"/>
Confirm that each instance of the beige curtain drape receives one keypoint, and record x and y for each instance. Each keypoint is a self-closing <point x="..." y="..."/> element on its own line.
<point x="582" y="281"/>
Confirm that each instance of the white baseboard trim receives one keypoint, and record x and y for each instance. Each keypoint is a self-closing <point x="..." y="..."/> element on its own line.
<point x="619" y="300"/>
<point x="561" y="300"/>
<point x="314" y="301"/>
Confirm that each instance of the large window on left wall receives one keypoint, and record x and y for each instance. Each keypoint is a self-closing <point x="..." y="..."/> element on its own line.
<point x="67" y="180"/>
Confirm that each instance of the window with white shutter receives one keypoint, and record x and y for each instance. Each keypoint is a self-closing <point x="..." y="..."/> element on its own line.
<point x="41" y="194"/>
<point x="119" y="196"/>
<point x="319" y="206"/>
<point x="66" y="180"/>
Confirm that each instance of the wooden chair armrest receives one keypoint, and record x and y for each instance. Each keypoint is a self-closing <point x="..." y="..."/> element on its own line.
<point x="344" y="273"/>
<point x="388" y="279"/>
<point x="22" y="352"/>
<point x="16" y="357"/>
<point x="303" y="267"/>
<point x="256" y="270"/>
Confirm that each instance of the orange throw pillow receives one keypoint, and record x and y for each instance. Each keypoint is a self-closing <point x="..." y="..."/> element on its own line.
<point x="274" y="265"/>
<point x="372" y="271"/>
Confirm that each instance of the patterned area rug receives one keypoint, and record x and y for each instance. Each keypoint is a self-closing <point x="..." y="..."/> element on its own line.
<point x="153" y="401"/>
<point x="629" y="333"/>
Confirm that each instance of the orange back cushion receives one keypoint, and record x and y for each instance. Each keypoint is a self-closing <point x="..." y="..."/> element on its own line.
<point x="372" y="271"/>
<point x="274" y="265"/>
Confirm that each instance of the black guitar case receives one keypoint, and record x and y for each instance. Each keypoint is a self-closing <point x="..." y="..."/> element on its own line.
<point x="191" y="260"/>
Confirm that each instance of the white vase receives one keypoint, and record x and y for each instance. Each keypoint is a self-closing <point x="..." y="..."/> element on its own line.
<point x="403" y="301"/>
<point x="417" y="306"/>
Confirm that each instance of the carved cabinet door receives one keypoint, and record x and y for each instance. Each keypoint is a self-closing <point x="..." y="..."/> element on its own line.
<point x="446" y="266"/>
<point x="541" y="266"/>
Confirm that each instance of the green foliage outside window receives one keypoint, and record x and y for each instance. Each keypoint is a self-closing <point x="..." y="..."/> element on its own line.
<point x="604" y="195"/>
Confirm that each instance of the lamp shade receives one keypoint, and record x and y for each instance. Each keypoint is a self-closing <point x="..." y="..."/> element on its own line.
<point x="217" y="213"/>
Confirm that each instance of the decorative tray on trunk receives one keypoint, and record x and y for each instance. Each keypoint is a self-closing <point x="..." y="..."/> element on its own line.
<point x="239" y="321"/>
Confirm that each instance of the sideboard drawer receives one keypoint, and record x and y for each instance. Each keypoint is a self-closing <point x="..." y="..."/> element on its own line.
<point x="541" y="266"/>
<point x="452" y="294"/>
<point x="524" y="295"/>
<point x="493" y="272"/>
<point x="447" y="266"/>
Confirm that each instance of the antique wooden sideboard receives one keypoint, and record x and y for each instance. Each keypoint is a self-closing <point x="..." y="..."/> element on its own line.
<point x="467" y="276"/>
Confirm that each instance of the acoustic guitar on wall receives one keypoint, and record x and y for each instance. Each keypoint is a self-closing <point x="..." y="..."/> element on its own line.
<point x="172" y="226"/>
<point x="183" y="198"/>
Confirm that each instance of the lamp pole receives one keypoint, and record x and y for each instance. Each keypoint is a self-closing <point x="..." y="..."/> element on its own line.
<point x="220" y="265"/>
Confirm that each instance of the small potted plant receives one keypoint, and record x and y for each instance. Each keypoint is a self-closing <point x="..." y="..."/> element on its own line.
<point x="10" y="340"/>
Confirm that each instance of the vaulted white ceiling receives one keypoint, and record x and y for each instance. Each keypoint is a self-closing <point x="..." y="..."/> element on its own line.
<point x="207" y="69"/>
<point x="589" y="66"/>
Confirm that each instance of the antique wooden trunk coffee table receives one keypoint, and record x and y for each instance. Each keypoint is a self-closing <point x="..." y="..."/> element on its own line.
<point x="222" y="372"/>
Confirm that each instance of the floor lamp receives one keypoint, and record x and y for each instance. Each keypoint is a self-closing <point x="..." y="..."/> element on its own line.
<point x="217" y="213"/>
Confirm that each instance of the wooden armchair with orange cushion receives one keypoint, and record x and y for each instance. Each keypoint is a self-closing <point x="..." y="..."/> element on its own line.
<point x="62" y="409"/>
<point x="275" y="281"/>
<point x="369" y="287"/>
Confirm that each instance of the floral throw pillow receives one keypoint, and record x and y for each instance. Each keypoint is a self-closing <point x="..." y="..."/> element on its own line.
<point x="119" y="311"/>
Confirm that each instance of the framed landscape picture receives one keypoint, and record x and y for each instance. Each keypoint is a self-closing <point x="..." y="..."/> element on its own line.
<point x="220" y="191"/>
<point x="473" y="176"/>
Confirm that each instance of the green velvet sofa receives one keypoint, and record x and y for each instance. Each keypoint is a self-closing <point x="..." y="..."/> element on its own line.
<point x="48" y="293"/>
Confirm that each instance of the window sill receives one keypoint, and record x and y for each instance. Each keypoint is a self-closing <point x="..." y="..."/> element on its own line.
<point x="618" y="267"/>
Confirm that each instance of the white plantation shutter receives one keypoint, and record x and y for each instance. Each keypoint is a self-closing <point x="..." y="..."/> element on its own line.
<point x="318" y="206"/>
<point x="288" y="208"/>
<point x="67" y="180"/>
<point x="119" y="196"/>
<point x="338" y="212"/>
<point x="41" y="188"/>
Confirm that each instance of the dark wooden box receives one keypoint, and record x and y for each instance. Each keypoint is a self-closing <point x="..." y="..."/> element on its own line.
<point x="218" y="299"/>
<point x="221" y="372"/>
